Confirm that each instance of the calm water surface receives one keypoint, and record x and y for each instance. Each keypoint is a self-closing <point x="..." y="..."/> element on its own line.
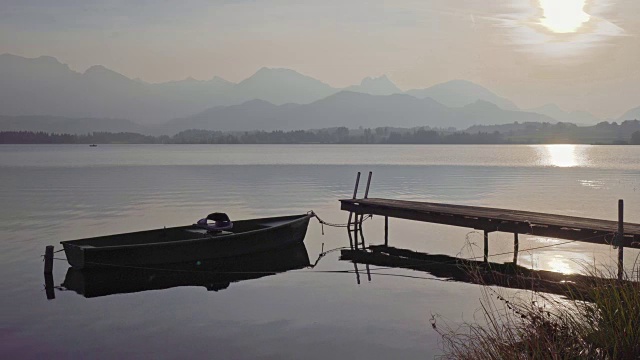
<point x="62" y="192"/>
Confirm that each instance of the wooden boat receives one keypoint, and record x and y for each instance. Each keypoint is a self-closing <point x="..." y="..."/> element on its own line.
<point x="186" y="243"/>
<point x="212" y="274"/>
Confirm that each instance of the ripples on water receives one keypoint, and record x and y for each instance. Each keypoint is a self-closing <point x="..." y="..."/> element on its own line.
<point x="54" y="193"/>
<point x="599" y="157"/>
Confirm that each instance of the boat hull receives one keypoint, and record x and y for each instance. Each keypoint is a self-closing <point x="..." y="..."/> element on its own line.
<point x="80" y="255"/>
<point x="212" y="274"/>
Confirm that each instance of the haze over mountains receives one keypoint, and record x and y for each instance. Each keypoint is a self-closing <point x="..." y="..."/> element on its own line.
<point x="355" y="109"/>
<point x="47" y="92"/>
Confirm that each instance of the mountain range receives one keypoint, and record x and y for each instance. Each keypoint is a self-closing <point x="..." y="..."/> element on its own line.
<point x="355" y="109"/>
<point x="633" y="114"/>
<point x="44" y="88"/>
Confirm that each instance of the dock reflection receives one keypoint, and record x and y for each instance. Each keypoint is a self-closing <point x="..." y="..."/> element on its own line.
<point x="446" y="267"/>
<point x="213" y="274"/>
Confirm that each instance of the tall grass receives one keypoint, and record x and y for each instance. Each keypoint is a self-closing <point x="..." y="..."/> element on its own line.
<point x="598" y="319"/>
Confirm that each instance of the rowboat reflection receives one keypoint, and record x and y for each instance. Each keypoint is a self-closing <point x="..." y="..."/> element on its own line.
<point x="213" y="274"/>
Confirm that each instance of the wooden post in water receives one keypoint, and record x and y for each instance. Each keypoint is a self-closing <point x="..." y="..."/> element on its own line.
<point x="516" y="245"/>
<point x="386" y="231"/>
<point x="48" y="259"/>
<point x="486" y="246"/>
<point x="48" y="286"/>
<point x="620" y="239"/>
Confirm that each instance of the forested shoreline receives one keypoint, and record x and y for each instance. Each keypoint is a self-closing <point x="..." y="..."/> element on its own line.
<point x="325" y="136"/>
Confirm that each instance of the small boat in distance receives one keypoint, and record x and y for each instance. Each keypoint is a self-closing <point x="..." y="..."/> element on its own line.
<point x="187" y="243"/>
<point x="93" y="145"/>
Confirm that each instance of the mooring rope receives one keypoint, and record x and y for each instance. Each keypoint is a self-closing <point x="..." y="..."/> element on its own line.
<point x="322" y="222"/>
<point x="323" y="253"/>
<point x="372" y="271"/>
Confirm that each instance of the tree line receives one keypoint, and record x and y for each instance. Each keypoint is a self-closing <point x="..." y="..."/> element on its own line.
<point x="340" y="135"/>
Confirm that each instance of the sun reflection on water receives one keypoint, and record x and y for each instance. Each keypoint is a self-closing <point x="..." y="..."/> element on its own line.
<point x="561" y="265"/>
<point x="563" y="155"/>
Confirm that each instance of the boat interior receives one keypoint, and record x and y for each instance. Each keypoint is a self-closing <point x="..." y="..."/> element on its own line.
<point x="181" y="233"/>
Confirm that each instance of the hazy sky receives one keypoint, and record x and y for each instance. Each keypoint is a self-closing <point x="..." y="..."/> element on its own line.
<point x="580" y="54"/>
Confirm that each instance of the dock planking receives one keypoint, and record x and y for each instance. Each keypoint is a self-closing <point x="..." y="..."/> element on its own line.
<point x="504" y="220"/>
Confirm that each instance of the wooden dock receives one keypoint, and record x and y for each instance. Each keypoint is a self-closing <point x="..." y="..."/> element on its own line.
<point x="504" y="220"/>
<point x="598" y="231"/>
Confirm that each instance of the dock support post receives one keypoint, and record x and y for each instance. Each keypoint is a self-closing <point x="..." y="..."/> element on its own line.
<point x="620" y="239"/>
<point x="486" y="246"/>
<point x="355" y="232"/>
<point x="48" y="259"/>
<point x="350" y="237"/>
<point x="516" y="245"/>
<point x="386" y="231"/>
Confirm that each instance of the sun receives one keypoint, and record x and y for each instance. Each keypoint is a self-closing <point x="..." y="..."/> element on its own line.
<point x="563" y="16"/>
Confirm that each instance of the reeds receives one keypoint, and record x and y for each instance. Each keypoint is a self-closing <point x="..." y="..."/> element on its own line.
<point x="598" y="319"/>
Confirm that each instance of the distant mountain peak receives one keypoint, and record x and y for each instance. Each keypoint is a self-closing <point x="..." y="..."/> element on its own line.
<point x="256" y="102"/>
<point x="464" y="84"/>
<point x="482" y="104"/>
<point x="459" y="93"/>
<point x="274" y="72"/>
<point x="280" y="86"/>
<point x="380" y="85"/>
<point x="459" y="82"/>
<point x="551" y="106"/>
<point x="631" y="114"/>
<point x="558" y="113"/>
<point x="41" y="59"/>
<point x="219" y="80"/>
<point x="97" y="69"/>
<point x="279" y="75"/>
<point x="377" y="81"/>
<point x="47" y="61"/>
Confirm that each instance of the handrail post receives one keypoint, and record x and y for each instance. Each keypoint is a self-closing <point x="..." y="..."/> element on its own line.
<point x="366" y="193"/>
<point x="355" y="190"/>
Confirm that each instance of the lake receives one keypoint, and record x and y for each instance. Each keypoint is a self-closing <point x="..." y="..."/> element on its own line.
<point x="51" y="193"/>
